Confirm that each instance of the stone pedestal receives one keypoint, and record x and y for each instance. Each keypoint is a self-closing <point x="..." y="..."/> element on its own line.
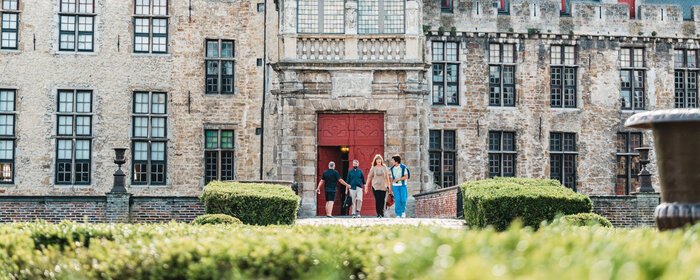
<point x="117" y="207"/>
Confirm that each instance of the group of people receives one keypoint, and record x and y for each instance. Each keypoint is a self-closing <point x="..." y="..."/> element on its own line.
<point x="384" y="181"/>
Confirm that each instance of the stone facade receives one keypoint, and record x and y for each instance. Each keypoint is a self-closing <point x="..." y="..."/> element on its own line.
<point x="303" y="75"/>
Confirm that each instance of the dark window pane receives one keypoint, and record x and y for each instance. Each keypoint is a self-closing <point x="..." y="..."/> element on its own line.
<point x="210" y="166"/>
<point x="211" y="139"/>
<point x="449" y="140"/>
<point x="509" y="141"/>
<point x="508" y="165"/>
<point x="434" y="163"/>
<point x="621" y="142"/>
<point x="227" y="165"/>
<point x="555" y="141"/>
<point x="435" y="140"/>
<point x="494" y="165"/>
<point x="494" y="141"/>
<point x="569" y="142"/>
<point x="140" y="173"/>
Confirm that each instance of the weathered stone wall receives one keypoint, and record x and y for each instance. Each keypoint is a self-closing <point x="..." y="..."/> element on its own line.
<point x="113" y="72"/>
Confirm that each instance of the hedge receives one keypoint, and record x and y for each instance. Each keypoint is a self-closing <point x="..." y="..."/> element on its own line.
<point x="499" y="201"/>
<point x="182" y="251"/>
<point x="252" y="203"/>
<point x="214" y="219"/>
<point x="585" y="219"/>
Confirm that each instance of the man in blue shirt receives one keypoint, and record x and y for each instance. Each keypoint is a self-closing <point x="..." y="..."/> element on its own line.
<point x="330" y="179"/>
<point x="356" y="179"/>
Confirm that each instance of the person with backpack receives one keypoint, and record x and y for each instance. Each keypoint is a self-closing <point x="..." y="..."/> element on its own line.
<point x="399" y="175"/>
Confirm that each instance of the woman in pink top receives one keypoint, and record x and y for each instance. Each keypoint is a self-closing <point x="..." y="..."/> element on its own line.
<point x="378" y="178"/>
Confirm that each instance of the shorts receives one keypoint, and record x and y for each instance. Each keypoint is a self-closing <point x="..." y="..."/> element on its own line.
<point x="330" y="196"/>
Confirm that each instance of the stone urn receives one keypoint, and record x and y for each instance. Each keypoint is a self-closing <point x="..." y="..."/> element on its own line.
<point x="676" y="139"/>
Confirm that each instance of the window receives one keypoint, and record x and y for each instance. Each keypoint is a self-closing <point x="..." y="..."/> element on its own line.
<point x="76" y="25"/>
<point x="151" y="26"/>
<point x="446" y="6"/>
<point x="563" y="77"/>
<point x="149" y="136"/>
<point x="501" y="74"/>
<point x="562" y="158"/>
<point x="442" y="152"/>
<point x="628" y="167"/>
<point x="220" y="66"/>
<point x="445" y="73"/>
<point x="686" y="78"/>
<point x="218" y="155"/>
<point x="73" y="137"/>
<point x="321" y="16"/>
<point x="380" y="16"/>
<point x="501" y="154"/>
<point x="502" y="6"/>
<point x="9" y="17"/>
<point x="632" y="78"/>
<point x="7" y="136"/>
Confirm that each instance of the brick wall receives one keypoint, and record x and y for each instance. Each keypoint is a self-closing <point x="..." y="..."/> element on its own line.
<point x="165" y="209"/>
<point x="53" y="209"/>
<point x="99" y="208"/>
<point x="622" y="211"/>
<point x="627" y="210"/>
<point x="442" y="203"/>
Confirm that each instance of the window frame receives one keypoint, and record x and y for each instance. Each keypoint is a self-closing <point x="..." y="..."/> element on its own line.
<point x="381" y="17"/>
<point x="563" y="153"/>
<point x="632" y="71"/>
<point x="149" y="139"/>
<point x="150" y="17"/>
<point x="563" y="66"/>
<point x="445" y="63"/>
<point x="320" y="20"/>
<point x="442" y="151"/>
<point x="501" y="152"/>
<point x="76" y="15"/>
<point x="685" y="69"/>
<point x="449" y="8"/>
<point x="219" y="154"/>
<point x="10" y="137"/>
<point x="74" y="138"/>
<point x="628" y="155"/>
<point x="4" y="30"/>
<point x="501" y="64"/>
<point x="220" y="60"/>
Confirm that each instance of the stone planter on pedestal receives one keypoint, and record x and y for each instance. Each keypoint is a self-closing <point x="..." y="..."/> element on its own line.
<point x="676" y="139"/>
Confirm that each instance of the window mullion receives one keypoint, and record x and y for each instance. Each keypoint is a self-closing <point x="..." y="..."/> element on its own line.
<point x="218" y="163"/>
<point x="380" y="11"/>
<point x="150" y="36"/>
<point x="320" y="16"/>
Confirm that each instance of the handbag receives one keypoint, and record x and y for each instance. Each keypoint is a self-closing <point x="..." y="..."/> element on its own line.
<point x="389" y="200"/>
<point x="348" y="202"/>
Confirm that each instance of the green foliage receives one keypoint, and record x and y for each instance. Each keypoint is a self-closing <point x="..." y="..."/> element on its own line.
<point x="252" y="203"/>
<point x="533" y="31"/>
<point x="214" y="219"/>
<point x="426" y="28"/>
<point x="441" y="29"/>
<point x="453" y="31"/>
<point x="653" y="33"/>
<point x="500" y="201"/>
<point x="585" y="219"/>
<point x="182" y="251"/>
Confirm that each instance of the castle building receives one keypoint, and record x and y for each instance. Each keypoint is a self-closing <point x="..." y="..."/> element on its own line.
<point x="202" y="90"/>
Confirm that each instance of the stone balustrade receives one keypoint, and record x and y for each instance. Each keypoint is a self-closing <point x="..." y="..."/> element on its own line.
<point x="386" y="48"/>
<point x="320" y="48"/>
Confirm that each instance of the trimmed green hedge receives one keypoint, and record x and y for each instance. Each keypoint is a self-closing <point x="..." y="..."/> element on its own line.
<point x="214" y="219"/>
<point x="500" y="201"/>
<point x="182" y="251"/>
<point x="252" y="203"/>
<point x="585" y="219"/>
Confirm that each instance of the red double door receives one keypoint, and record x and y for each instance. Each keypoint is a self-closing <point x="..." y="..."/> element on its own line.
<point x="363" y="134"/>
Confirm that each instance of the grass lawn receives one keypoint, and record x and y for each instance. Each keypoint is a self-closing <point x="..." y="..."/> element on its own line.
<point x="182" y="251"/>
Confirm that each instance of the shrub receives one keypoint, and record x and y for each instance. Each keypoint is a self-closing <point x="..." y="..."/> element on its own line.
<point x="585" y="219"/>
<point x="499" y="201"/>
<point x="213" y="219"/>
<point x="182" y="251"/>
<point x="252" y="203"/>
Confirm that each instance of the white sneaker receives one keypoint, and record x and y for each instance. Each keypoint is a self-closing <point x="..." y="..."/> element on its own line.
<point x="359" y="216"/>
<point x="403" y="215"/>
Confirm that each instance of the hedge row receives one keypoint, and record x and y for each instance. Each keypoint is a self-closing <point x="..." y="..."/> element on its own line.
<point x="215" y="219"/>
<point x="499" y="201"/>
<point x="585" y="219"/>
<point x="181" y="251"/>
<point x="252" y="203"/>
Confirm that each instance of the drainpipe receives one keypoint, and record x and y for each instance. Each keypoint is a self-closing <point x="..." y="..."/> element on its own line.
<point x="262" y="108"/>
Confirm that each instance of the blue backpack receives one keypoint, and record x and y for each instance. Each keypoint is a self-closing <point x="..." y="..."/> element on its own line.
<point x="404" y="171"/>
